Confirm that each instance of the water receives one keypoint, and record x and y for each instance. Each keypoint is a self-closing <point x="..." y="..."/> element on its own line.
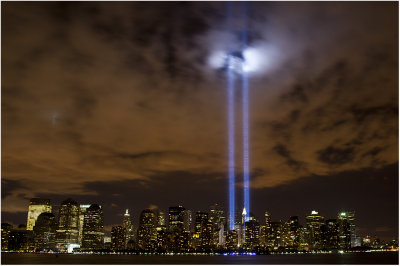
<point x="353" y="258"/>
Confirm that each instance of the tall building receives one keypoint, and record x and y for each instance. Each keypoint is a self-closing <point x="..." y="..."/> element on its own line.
<point x="217" y="220"/>
<point x="5" y="235"/>
<point x="21" y="239"/>
<point x="118" y="238"/>
<point x="200" y="231"/>
<point x="266" y="233"/>
<point x="314" y="225"/>
<point x="331" y="234"/>
<point x="176" y="217"/>
<point x="232" y="240"/>
<point x="129" y="230"/>
<point x="346" y="221"/>
<point x="147" y="233"/>
<point x="252" y="235"/>
<point x="290" y="233"/>
<point x="68" y="225"/>
<point x="275" y="234"/>
<point x="45" y="232"/>
<point x="36" y="207"/>
<point x="188" y="221"/>
<point x="82" y="211"/>
<point x="93" y="228"/>
<point x="161" y="219"/>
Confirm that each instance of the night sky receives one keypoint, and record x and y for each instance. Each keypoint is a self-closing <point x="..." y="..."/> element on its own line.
<point x="118" y="104"/>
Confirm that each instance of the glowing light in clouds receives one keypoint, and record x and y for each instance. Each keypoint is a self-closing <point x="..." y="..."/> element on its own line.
<point x="256" y="60"/>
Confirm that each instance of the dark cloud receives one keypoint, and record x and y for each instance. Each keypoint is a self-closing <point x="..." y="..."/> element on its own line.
<point x="336" y="156"/>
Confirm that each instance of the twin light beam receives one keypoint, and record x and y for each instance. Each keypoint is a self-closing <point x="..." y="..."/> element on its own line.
<point x="236" y="63"/>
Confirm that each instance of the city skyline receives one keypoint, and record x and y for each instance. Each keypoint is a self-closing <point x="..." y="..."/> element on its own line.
<point x="125" y="105"/>
<point x="130" y="217"/>
<point x="81" y="226"/>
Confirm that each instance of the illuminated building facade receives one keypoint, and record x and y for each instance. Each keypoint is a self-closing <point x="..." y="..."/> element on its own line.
<point x="68" y="225"/>
<point x="129" y="230"/>
<point x="93" y="228"/>
<point x="82" y="211"/>
<point x="45" y="232"/>
<point x="289" y="238"/>
<point x="201" y="237"/>
<point x="5" y="235"/>
<point x="274" y="236"/>
<point x="36" y="207"/>
<point x="147" y="233"/>
<point x="252" y="235"/>
<point x="346" y="221"/>
<point x="21" y="239"/>
<point x="217" y="221"/>
<point x="232" y="240"/>
<point x="315" y="223"/>
<point x="176" y="218"/>
<point x="188" y="221"/>
<point x="331" y="234"/>
<point x="118" y="238"/>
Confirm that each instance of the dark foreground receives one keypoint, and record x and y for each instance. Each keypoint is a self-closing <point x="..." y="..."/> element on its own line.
<point x="350" y="258"/>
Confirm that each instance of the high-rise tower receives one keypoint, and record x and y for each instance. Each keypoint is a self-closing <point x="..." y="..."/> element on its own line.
<point x="36" y="207"/>
<point x="68" y="224"/>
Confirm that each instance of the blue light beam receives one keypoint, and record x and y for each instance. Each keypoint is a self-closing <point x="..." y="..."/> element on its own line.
<point x="245" y="115"/>
<point x="231" y="137"/>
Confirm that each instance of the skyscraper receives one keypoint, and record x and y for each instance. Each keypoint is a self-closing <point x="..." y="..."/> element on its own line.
<point x="314" y="225"/>
<point x="82" y="211"/>
<point x="36" y="207"/>
<point x="176" y="217"/>
<point x="346" y="221"/>
<point x="68" y="225"/>
<point x="331" y="234"/>
<point x="45" y="232"/>
<point x="188" y="221"/>
<point x="5" y="235"/>
<point x="93" y="228"/>
<point x="217" y="220"/>
<point x="118" y="238"/>
<point x="252" y="235"/>
<point x="129" y="230"/>
<point x="147" y="233"/>
<point x="200" y="230"/>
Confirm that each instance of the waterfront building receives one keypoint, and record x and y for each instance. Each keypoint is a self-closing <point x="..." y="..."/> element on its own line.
<point x="217" y="221"/>
<point x="147" y="234"/>
<point x="82" y="211"/>
<point x="232" y="240"/>
<point x="331" y="234"/>
<point x="36" y="207"/>
<point x="275" y="235"/>
<point x="93" y="228"/>
<point x="162" y="219"/>
<point x="346" y="229"/>
<point x="200" y="232"/>
<point x="5" y="235"/>
<point x="188" y="221"/>
<point x="45" y="232"/>
<point x="129" y="230"/>
<point x="176" y="217"/>
<point x="107" y="243"/>
<point x="304" y="239"/>
<point x="252" y="235"/>
<point x="118" y="237"/>
<point x="67" y="232"/>
<point x="366" y="241"/>
<point x="21" y="239"/>
<point x="314" y="225"/>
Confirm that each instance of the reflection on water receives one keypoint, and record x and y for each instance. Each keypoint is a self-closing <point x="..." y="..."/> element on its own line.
<point x="351" y="258"/>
